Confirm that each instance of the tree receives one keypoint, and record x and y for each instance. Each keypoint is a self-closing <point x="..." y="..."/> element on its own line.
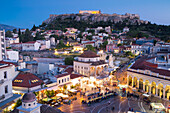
<point x="90" y="47"/>
<point x="38" y="36"/>
<point x="18" y="103"/>
<point x="103" y="46"/>
<point x="19" y="32"/>
<point x="26" y="36"/>
<point x="61" y="44"/>
<point x="65" y="87"/>
<point x="119" y="45"/>
<point x="34" y="28"/>
<point x="69" y="60"/>
<point x="15" y="31"/>
<point x="89" y="37"/>
<point x="8" y="34"/>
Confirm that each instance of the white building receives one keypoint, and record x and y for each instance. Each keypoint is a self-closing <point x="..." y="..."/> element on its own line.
<point x="12" y="55"/>
<point x="2" y="45"/>
<point x="125" y="29"/>
<point x="31" y="46"/>
<point x="52" y="41"/>
<point x="89" y="64"/>
<point x="45" y="44"/>
<point x="10" y="41"/>
<point x="63" y="79"/>
<point x="7" y="72"/>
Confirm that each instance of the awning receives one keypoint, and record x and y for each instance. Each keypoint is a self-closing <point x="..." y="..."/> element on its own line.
<point x="73" y="90"/>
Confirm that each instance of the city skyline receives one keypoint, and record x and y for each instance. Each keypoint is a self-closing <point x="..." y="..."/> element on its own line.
<point x="24" y="14"/>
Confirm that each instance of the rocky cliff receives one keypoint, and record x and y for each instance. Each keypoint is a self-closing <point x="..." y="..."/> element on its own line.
<point x="92" y="18"/>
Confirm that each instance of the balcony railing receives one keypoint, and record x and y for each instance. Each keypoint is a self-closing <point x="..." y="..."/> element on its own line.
<point x="2" y="97"/>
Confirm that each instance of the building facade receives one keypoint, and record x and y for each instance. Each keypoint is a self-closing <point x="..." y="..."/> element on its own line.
<point x="89" y="64"/>
<point x="148" y="76"/>
<point x="2" y="45"/>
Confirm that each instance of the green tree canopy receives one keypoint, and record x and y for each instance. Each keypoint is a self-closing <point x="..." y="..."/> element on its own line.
<point x="8" y="34"/>
<point x="69" y="60"/>
<point x="15" y="31"/>
<point x="90" y="47"/>
<point x="26" y="36"/>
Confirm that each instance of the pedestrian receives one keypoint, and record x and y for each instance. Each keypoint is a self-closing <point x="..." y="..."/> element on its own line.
<point x="109" y="102"/>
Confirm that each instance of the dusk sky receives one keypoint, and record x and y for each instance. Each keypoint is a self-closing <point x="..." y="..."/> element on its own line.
<point x="25" y="13"/>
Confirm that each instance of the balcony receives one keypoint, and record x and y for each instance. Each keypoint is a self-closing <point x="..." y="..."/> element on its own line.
<point x="2" y="81"/>
<point x="2" y="97"/>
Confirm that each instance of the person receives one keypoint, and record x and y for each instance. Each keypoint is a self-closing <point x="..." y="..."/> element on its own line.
<point x="109" y="102"/>
<point x="113" y="108"/>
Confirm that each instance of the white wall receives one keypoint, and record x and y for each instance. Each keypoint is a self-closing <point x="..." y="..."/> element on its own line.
<point x="13" y="55"/>
<point x="89" y="59"/>
<point x="44" y="68"/>
<point x="7" y="81"/>
<point x="30" y="46"/>
<point x="66" y="79"/>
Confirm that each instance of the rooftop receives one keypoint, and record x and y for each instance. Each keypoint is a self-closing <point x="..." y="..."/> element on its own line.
<point x="89" y="54"/>
<point x="27" y="80"/>
<point x="143" y="64"/>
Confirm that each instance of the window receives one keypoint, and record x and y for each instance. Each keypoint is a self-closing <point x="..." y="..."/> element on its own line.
<point x="65" y="79"/>
<point x="2" y="34"/>
<point x="29" y="104"/>
<point x="34" y="103"/>
<point x="59" y="81"/>
<point x="6" y="89"/>
<point x="5" y="74"/>
<point x="68" y="79"/>
<point x="24" y="104"/>
<point x="62" y="80"/>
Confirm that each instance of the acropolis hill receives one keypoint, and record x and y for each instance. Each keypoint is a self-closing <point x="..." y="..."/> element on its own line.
<point x="97" y="16"/>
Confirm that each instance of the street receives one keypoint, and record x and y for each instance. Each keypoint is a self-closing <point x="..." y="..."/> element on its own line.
<point x="120" y="104"/>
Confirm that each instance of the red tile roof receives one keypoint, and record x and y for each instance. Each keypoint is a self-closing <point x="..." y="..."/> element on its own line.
<point x="30" y="42"/>
<point x="89" y="43"/>
<point x="144" y="65"/>
<point x="63" y="66"/>
<point x="27" y="80"/>
<point x="89" y="54"/>
<point x="69" y="70"/>
<point x="3" y="62"/>
<point x="73" y="76"/>
<point x="61" y="75"/>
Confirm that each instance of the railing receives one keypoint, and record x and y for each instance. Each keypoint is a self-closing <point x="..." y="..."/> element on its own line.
<point x="2" y="97"/>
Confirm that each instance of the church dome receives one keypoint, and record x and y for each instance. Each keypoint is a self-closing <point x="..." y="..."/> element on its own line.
<point x="29" y="97"/>
<point x="89" y="54"/>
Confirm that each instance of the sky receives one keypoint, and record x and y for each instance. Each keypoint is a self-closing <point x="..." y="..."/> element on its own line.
<point x="26" y="13"/>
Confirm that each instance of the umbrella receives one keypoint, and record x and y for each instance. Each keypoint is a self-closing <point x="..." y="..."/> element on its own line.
<point x="55" y="98"/>
<point x="46" y="99"/>
<point x="65" y="96"/>
<point x="59" y="95"/>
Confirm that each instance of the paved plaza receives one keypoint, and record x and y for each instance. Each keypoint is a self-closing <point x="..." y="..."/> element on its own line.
<point x="121" y="105"/>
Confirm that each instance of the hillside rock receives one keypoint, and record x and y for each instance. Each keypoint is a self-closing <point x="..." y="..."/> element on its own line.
<point x="130" y="18"/>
